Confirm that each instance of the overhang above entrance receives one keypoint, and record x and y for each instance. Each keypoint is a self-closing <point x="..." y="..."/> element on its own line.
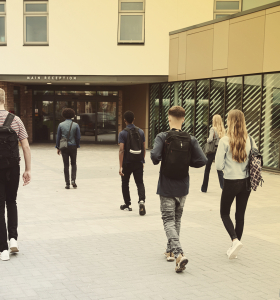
<point x="83" y="79"/>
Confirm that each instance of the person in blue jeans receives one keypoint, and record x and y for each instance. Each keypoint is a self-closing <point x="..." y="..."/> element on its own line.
<point x="73" y="143"/>
<point x="216" y="133"/>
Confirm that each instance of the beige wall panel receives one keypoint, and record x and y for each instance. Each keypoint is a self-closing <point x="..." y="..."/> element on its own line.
<point x="199" y="55"/>
<point x="174" y="36"/>
<point x="182" y="53"/>
<point x="247" y="17"/>
<point x="272" y="43"/>
<point x="181" y="77"/>
<point x="192" y="31"/>
<point x="220" y="73"/>
<point x="173" y="59"/>
<point x="246" y="41"/>
<point x="220" y="48"/>
<point x="273" y="10"/>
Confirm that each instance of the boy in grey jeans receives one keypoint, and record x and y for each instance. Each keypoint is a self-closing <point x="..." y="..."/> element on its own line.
<point x="173" y="192"/>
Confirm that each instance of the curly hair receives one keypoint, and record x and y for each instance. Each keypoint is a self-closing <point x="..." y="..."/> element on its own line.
<point x="237" y="134"/>
<point x="129" y="116"/>
<point x="68" y="113"/>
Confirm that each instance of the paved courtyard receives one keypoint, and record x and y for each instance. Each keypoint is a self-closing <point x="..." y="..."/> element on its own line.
<point x="78" y="244"/>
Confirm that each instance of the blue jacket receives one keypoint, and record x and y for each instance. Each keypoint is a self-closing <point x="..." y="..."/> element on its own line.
<point x="63" y="130"/>
<point x="168" y="187"/>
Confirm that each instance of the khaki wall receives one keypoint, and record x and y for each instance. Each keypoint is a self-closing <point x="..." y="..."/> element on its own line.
<point x="244" y="45"/>
<point x="136" y="99"/>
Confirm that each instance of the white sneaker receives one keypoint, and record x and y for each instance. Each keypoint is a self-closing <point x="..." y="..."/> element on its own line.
<point x="236" y="246"/>
<point x="13" y="246"/>
<point x="228" y="252"/>
<point x="5" y="255"/>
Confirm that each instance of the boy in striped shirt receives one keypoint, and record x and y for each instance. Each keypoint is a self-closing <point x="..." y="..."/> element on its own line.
<point x="9" y="182"/>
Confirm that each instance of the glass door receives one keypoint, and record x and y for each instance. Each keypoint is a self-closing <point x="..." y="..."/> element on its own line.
<point x="43" y="121"/>
<point x="86" y="118"/>
<point x="106" y="122"/>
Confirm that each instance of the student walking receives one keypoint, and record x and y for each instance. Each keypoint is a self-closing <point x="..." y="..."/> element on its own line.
<point x="132" y="153"/>
<point x="70" y="131"/>
<point x="216" y="132"/>
<point x="12" y="130"/>
<point x="232" y="157"/>
<point x="177" y="151"/>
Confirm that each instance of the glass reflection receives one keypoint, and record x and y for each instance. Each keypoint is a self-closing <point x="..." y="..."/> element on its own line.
<point x="86" y="114"/>
<point x="43" y="121"/>
<point x="106" y="121"/>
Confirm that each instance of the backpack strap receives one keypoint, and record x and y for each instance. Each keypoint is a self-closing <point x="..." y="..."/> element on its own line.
<point x="9" y="119"/>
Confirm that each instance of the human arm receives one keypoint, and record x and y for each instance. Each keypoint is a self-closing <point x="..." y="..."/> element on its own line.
<point x="121" y="155"/>
<point x="220" y="155"/>
<point x="156" y="152"/>
<point x="58" y="138"/>
<point x="198" y="158"/>
<point x="211" y="135"/>
<point x="78" y="136"/>
<point x="27" y="157"/>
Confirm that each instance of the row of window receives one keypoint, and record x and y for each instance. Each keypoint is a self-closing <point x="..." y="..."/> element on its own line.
<point x="36" y="22"/>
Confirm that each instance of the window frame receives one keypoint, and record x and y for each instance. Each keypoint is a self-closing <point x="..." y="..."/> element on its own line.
<point x="215" y="15"/>
<point x="131" y="13"/>
<point x="35" y="14"/>
<point x="4" y="14"/>
<point x="226" y="11"/>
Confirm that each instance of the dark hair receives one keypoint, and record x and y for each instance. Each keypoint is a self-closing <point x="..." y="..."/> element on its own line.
<point x="177" y="112"/>
<point x="68" y="113"/>
<point x="129" y="116"/>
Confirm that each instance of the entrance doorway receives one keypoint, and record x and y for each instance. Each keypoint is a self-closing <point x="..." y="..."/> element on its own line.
<point x="96" y="115"/>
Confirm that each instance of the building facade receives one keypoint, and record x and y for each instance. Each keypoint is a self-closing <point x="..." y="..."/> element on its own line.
<point x="229" y="63"/>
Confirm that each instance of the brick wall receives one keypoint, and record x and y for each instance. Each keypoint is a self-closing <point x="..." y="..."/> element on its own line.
<point x="25" y="104"/>
<point x="120" y="112"/>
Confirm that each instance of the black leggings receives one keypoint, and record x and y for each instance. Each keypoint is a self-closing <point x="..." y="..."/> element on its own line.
<point x="70" y="152"/>
<point x="234" y="188"/>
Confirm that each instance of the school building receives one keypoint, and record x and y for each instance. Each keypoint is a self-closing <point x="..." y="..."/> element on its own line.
<point x="102" y="58"/>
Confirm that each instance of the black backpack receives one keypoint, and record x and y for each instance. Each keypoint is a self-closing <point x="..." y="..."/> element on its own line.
<point x="176" y="155"/>
<point x="134" y="150"/>
<point x="9" y="152"/>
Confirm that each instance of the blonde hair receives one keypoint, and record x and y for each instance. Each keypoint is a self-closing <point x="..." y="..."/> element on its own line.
<point x="219" y="126"/>
<point x="237" y="134"/>
<point x="2" y="96"/>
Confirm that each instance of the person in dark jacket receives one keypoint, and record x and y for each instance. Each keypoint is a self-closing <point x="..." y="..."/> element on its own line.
<point x="173" y="192"/>
<point x="73" y="143"/>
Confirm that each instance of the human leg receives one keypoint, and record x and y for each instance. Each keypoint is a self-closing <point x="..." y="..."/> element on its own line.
<point x="241" y="204"/>
<point x="73" y="158"/>
<point x="125" y="184"/>
<point x="138" y="173"/>
<point x="3" y="228"/>
<point x="179" y="212"/>
<point x="210" y="158"/>
<point x="65" y="157"/>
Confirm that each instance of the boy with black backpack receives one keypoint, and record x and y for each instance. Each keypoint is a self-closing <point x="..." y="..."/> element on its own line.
<point x="12" y="130"/>
<point x="177" y="151"/>
<point x="132" y="158"/>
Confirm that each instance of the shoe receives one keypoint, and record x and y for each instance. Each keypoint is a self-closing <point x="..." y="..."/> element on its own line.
<point x="5" y="255"/>
<point x="74" y="184"/>
<point x="228" y="252"/>
<point x="13" y="246"/>
<point x="126" y="207"/>
<point x="234" y="249"/>
<point x="181" y="261"/>
<point x="169" y="256"/>
<point x="67" y="186"/>
<point x="142" y="210"/>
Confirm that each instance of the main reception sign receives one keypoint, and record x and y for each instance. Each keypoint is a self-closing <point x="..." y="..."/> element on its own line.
<point x="56" y="78"/>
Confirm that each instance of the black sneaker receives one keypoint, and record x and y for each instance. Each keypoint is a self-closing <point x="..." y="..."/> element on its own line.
<point x="142" y="209"/>
<point x="67" y="186"/>
<point x="74" y="184"/>
<point x="125" y="207"/>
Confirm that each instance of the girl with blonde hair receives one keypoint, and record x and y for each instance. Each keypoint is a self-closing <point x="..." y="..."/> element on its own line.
<point x="232" y="158"/>
<point x="216" y="132"/>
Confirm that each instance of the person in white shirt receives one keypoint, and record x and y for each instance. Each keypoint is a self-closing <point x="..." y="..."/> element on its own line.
<point x="232" y="158"/>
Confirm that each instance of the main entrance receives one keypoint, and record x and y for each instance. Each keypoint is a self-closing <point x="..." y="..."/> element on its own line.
<point x="96" y="114"/>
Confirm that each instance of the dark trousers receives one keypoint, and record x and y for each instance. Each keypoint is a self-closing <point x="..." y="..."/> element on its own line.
<point x="137" y="170"/>
<point x="234" y="189"/>
<point x="70" y="152"/>
<point x="9" y="181"/>
<point x="204" y="186"/>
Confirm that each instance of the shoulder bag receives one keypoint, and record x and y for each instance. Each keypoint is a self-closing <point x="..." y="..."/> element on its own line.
<point x="210" y="148"/>
<point x="63" y="145"/>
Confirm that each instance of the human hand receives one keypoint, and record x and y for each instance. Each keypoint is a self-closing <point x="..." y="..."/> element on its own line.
<point x="26" y="177"/>
<point x="120" y="172"/>
<point x="58" y="151"/>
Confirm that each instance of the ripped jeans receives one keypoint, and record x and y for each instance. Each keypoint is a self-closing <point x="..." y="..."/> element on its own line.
<point x="171" y="212"/>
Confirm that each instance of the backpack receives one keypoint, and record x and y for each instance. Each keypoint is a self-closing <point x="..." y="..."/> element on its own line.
<point x="134" y="151"/>
<point x="9" y="151"/>
<point x="254" y="167"/>
<point x="176" y="156"/>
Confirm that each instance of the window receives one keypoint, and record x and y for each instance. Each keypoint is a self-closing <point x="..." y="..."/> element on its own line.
<point x="131" y="21"/>
<point x="36" y="21"/>
<point x="226" y="7"/>
<point x="2" y="23"/>
<point x="249" y="4"/>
